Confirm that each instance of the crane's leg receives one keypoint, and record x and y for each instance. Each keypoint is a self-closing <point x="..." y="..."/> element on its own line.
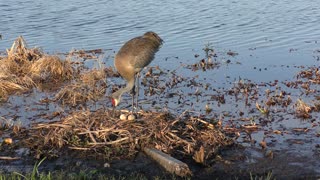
<point x="113" y="111"/>
<point x="133" y="92"/>
<point x="137" y="80"/>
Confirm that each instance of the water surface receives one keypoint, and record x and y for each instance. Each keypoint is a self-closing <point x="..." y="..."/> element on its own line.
<point x="273" y="38"/>
<point x="271" y="27"/>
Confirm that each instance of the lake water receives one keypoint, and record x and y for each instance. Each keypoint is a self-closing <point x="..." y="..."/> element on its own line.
<point x="270" y="27"/>
<point x="269" y="36"/>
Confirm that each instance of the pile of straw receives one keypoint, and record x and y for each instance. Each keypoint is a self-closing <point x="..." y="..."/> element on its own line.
<point x="51" y="68"/>
<point x="25" y="68"/>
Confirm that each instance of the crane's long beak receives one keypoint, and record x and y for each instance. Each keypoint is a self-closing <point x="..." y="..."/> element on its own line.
<point x="113" y="107"/>
<point x="113" y="111"/>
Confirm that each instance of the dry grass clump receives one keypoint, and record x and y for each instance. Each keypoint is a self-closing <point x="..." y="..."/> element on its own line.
<point x="13" y="84"/>
<point x="51" y="68"/>
<point x="303" y="110"/>
<point x="24" y="68"/>
<point x="93" y="77"/>
<point x="20" y="52"/>
<point x="91" y="87"/>
<point x="307" y="80"/>
<point x="114" y="138"/>
<point x="79" y="94"/>
<point x="10" y="67"/>
<point x="10" y="83"/>
<point x="312" y="74"/>
<point x="4" y="96"/>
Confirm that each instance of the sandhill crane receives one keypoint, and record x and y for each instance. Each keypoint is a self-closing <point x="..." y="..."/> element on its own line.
<point x="133" y="56"/>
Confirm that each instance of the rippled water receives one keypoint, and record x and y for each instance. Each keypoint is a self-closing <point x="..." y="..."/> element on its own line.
<point x="266" y="34"/>
<point x="270" y="27"/>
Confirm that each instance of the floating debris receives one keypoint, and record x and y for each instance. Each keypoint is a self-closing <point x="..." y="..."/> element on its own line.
<point x="232" y="53"/>
<point x="303" y="109"/>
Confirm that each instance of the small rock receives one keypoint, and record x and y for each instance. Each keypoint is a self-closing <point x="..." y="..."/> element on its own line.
<point x="78" y="163"/>
<point x="106" y="165"/>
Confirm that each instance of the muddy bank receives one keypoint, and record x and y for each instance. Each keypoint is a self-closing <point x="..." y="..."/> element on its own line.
<point x="240" y="163"/>
<point x="244" y="126"/>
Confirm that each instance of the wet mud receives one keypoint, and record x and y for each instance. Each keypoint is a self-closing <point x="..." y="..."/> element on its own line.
<point x="273" y="125"/>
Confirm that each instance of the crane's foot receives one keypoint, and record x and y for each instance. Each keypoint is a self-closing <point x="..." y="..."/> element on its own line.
<point x="134" y="109"/>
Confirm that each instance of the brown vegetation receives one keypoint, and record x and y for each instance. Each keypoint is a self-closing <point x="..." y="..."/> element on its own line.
<point x="90" y="87"/>
<point x="24" y="69"/>
<point x="98" y="131"/>
<point x="113" y="138"/>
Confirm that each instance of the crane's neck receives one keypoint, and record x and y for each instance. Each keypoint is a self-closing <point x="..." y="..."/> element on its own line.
<point x="117" y="95"/>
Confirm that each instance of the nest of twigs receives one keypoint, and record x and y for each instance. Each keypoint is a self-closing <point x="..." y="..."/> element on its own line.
<point x="115" y="138"/>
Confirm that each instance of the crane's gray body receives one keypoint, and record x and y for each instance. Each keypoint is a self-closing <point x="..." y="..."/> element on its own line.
<point x="133" y="56"/>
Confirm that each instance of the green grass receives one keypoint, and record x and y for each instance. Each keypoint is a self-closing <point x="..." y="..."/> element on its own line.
<point x="94" y="174"/>
<point x="268" y="176"/>
<point x="61" y="175"/>
<point x="35" y="173"/>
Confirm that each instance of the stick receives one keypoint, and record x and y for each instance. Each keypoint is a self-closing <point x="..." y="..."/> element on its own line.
<point x="39" y="126"/>
<point x="98" y="131"/>
<point x="111" y="142"/>
<point x="211" y="126"/>
<point x="80" y="148"/>
<point x="8" y="158"/>
<point x="171" y="164"/>
<point x="178" y="138"/>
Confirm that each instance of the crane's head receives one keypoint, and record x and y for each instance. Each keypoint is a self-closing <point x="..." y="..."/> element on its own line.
<point x="116" y="98"/>
<point x="115" y="102"/>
